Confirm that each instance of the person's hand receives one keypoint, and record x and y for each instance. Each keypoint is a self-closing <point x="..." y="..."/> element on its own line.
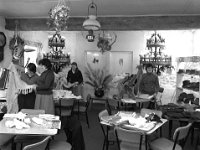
<point x="75" y="83"/>
<point x="34" y="87"/>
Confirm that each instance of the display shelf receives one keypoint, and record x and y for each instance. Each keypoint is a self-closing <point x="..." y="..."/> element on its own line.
<point x="188" y="76"/>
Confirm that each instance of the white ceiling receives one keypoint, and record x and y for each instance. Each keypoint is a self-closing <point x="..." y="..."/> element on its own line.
<point x="40" y="8"/>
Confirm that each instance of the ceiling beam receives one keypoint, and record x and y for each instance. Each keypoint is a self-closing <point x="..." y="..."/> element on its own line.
<point x="113" y="23"/>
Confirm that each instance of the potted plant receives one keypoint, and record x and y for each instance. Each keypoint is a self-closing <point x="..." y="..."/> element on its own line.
<point x="99" y="80"/>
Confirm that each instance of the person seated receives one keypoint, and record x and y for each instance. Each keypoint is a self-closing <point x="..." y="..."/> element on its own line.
<point x="75" y="79"/>
<point x="149" y="83"/>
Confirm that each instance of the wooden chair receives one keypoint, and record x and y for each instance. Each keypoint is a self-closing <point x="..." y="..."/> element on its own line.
<point x="41" y="145"/>
<point x="64" y="107"/>
<point x="81" y="107"/>
<point x="180" y="135"/>
<point x="108" y="132"/>
<point x="130" y="139"/>
<point x="21" y="139"/>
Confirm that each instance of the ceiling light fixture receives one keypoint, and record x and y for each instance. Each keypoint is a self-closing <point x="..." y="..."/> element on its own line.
<point x="91" y="23"/>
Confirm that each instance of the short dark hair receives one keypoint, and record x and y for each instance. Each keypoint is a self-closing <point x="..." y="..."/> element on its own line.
<point x="74" y="63"/>
<point x="149" y="65"/>
<point x="45" y="62"/>
<point x="31" y="67"/>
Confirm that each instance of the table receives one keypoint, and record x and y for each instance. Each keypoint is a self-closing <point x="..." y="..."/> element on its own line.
<point x="146" y="133"/>
<point x="33" y="130"/>
<point x="175" y="112"/>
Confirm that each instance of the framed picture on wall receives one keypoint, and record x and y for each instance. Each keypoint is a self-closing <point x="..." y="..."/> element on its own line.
<point x="116" y="62"/>
<point x="97" y="60"/>
<point x="121" y="62"/>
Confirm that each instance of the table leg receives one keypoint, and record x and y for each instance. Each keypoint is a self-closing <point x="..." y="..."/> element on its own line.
<point x="107" y="142"/>
<point x="170" y="128"/>
<point x="60" y="107"/>
<point x="78" y="110"/>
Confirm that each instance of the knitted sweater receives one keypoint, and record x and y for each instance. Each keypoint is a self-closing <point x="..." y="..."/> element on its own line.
<point x="45" y="83"/>
<point x="149" y="84"/>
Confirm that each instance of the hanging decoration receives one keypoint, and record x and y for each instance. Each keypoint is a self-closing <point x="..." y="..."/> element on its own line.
<point x="58" y="16"/>
<point x="106" y="40"/>
<point x="16" y="45"/>
<point x="155" y="46"/>
<point x="56" y="55"/>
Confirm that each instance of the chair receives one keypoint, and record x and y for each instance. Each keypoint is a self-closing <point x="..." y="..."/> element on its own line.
<point x="41" y="145"/>
<point x="180" y="135"/>
<point x="64" y="107"/>
<point x="81" y="107"/>
<point x="113" y="106"/>
<point x="108" y="132"/>
<point x="129" y="139"/>
<point x="20" y="139"/>
<point x="59" y="145"/>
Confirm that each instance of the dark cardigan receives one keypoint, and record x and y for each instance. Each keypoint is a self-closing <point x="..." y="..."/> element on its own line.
<point x="45" y="83"/>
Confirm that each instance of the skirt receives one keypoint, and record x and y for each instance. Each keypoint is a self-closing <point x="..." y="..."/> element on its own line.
<point x="45" y="102"/>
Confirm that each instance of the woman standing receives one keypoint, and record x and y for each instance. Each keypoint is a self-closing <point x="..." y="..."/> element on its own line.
<point x="27" y="101"/>
<point x="45" y="83"/>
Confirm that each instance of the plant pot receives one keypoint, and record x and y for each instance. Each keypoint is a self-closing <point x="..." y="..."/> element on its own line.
<point x="99" y="92"/>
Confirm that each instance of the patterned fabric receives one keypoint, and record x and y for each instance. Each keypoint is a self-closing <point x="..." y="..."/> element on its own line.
<point x="15" y="86"/>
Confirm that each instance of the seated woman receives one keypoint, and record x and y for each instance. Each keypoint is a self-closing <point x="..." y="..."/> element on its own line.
<point x="28" y="101"/>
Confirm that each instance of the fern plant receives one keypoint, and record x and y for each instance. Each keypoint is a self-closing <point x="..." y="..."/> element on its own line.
<point x="98" y="78"/>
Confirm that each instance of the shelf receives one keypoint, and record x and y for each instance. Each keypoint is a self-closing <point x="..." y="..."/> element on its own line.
<point x="188" y="70"/>
<point x="188" y="91"/>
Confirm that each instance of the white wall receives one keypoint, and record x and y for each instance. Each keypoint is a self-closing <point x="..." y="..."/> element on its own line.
<point x="178" y="43"/>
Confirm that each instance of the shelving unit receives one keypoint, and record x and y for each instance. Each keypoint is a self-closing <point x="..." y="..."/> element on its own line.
<point x="188" y="76"/>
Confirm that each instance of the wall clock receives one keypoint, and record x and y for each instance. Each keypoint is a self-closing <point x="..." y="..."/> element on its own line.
<point x="2" y="39"/>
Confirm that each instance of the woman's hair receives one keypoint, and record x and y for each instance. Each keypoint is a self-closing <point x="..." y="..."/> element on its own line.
<point x="75" y="64"/>
<point x="31" y="67"/>
<point x="149" y="65"/>
<point x="45" y="62"/>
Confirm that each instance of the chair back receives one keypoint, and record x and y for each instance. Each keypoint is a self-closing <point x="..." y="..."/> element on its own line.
<point x="132" y="138"/>
<point x="113" y="106"/>
<point x="148" y="111"/>
<point x="39" y="145"/>
<point x="33" y="111"/>
<point x="65" y="107"/>
<point x="88" y="102"/>
<point x="181" y="133"/>
<point x="82" y="104"/>
<point x="102" y="114"/>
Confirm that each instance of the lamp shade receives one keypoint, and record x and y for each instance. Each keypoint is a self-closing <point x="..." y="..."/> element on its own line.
<point x="91" y="23"/>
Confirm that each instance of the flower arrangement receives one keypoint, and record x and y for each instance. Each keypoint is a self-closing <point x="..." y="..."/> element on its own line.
<point x="59" y="16"/>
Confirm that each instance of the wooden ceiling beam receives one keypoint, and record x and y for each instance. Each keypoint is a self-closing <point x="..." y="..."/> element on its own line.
<point x="113" y="23"/>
